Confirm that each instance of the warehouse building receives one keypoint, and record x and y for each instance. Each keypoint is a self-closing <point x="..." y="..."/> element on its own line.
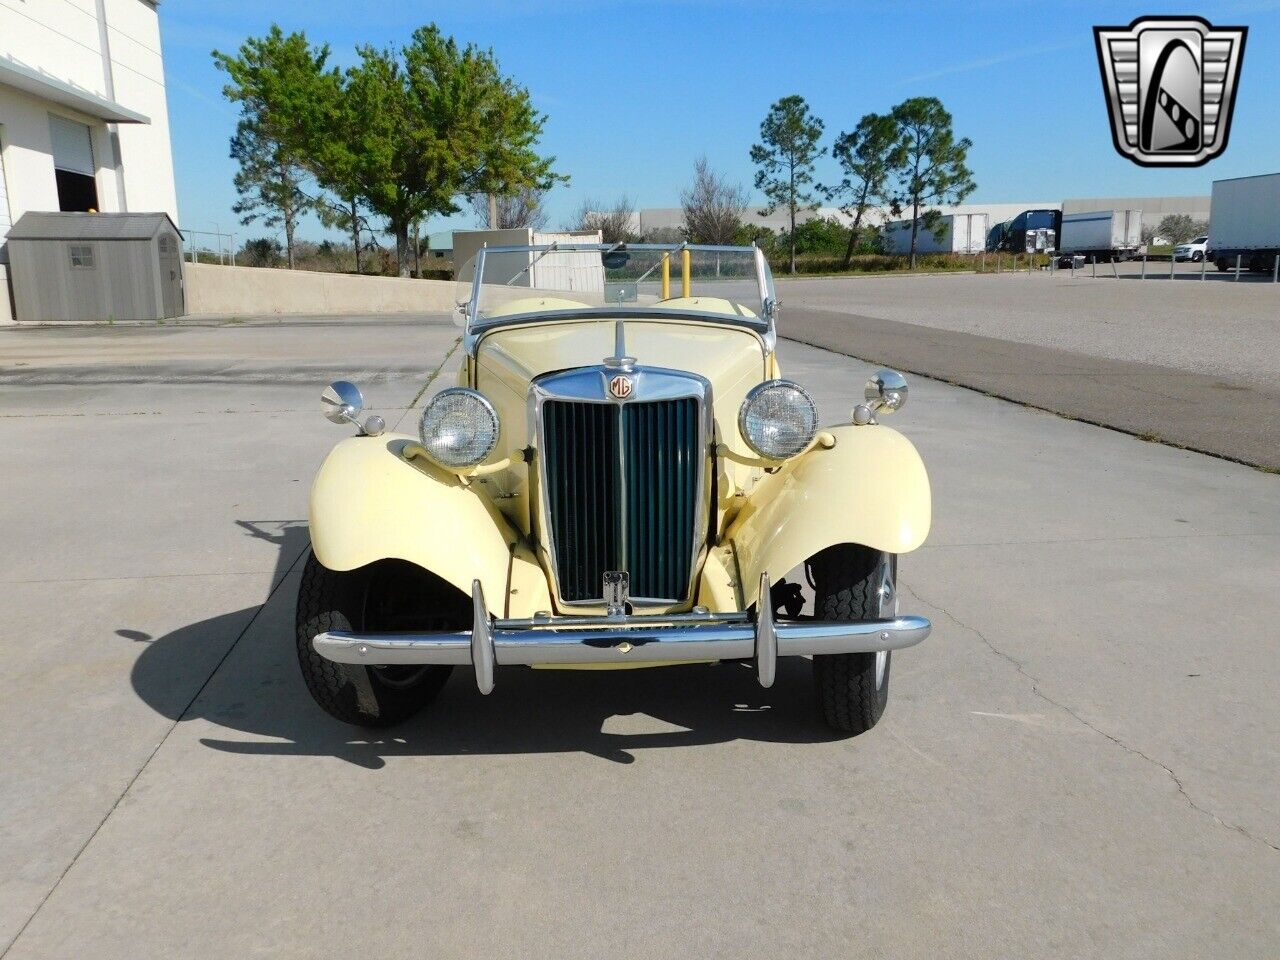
<point x="660" y="220"/>
<point x="83" y="113"/>
<point x="1154" y="209"/>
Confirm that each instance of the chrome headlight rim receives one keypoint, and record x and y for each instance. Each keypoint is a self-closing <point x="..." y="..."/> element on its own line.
<point x="474" y="455"/>
<point x="793" y="449"/>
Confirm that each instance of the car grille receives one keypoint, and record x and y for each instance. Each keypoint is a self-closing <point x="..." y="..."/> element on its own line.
<point x="622" y="488"/>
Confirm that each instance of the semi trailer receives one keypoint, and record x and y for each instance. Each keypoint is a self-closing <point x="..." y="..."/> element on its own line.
<point x="956" y="233"/>
<point x="1245" y="222"/>
<point x="1104" y="234"/>
<point x="1101" y="235"/>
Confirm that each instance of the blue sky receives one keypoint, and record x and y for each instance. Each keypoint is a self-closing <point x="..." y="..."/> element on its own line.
<point x="634" y="92"/>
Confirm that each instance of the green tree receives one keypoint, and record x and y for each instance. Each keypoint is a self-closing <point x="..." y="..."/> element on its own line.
<point x="345" y="212"/>
<point x="933" y="170"/>
<point x="868" y="155"/>
<point x="823" y="236"/>
<point x="278" y="82"/>
<point x="261" y="252"/>
<point x="785" y="158"/>
<point x="437" y="122"/>
<point x="332" y="145"/>
<point x="1179" y="228"/>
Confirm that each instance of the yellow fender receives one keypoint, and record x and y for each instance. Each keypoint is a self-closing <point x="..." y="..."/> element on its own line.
<point x="870" y="488"/>
<point x="368" y="503"/>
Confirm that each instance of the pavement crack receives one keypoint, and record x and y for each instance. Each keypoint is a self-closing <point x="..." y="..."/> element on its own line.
<point x="431" y="378"/>
<point x="1036" y="683"/>
<point x="151" y="756"/>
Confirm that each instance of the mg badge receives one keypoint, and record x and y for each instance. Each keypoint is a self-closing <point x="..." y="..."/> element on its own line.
<point x="1170" y="84"/>
<point x="621" y="386"/>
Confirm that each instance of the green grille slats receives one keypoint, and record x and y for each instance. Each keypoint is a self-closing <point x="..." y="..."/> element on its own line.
<point x="622" y="484"/>
<point x="583" y="487"/>
<point x="661" y="463"/>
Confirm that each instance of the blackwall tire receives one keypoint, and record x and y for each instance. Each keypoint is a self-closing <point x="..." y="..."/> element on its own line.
<point x="852" y="688"/>
<point x="350" y="600"/>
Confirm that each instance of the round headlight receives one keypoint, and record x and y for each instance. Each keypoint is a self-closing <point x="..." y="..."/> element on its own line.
<point x="459" y="427"/>
<point x="778" y="419"/>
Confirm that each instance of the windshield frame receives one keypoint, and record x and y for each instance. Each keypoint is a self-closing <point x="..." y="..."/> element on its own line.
<point x="475" y="325"/>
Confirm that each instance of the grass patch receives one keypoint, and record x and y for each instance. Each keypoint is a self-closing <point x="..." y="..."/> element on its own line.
<point x="834" y="265"/>
<point x="881" y="263"/>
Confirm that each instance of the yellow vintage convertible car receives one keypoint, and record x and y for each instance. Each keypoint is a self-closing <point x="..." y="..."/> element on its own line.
<point x="621" y="478"/>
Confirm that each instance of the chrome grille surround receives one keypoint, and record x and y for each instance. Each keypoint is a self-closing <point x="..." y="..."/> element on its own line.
<point x="590" y="385"/>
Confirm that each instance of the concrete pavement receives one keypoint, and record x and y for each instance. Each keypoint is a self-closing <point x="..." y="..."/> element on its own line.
<point x="1217" y="328"/>
<point x="1080" y="761"/>
<point x="1191" y="410"/>
<point x="1190" y="364"/>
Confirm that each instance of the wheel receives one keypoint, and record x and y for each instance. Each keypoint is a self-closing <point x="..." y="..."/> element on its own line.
<point x="1196" y="256"/>
<point x="387" y="596"/>
<point x="1221" y="264"/>
<point x="852" y="688"/>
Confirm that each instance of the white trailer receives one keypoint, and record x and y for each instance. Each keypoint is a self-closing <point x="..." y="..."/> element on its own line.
<point x="1105" y="234"/>
<point x="957" y="233"/>
<point x="560" y="270"/>
<point x="1244" y="222"/>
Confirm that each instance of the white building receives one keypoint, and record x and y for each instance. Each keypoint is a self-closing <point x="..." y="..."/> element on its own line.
<point x="1154" y="209"/>
<point x="84" y="121"/>
<point x="672" y="218"/>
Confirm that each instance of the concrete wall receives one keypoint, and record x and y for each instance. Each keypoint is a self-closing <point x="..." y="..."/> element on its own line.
<point x="250" y="291"/>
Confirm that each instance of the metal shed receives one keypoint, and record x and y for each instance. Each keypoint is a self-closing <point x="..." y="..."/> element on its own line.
<point x="96" y="266"/>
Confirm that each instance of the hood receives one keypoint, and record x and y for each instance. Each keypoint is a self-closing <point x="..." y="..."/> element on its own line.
<point x="517" y="355"/>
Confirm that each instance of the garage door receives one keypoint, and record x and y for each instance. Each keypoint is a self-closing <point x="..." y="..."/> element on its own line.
<point x="73" y="164"/>
<point x="72" y="148"/>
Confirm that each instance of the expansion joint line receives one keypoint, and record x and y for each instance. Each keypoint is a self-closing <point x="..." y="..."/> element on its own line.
<point x="151" y="756"/>
<point x="1035" y="689"/>
<point x="431" y="378"/>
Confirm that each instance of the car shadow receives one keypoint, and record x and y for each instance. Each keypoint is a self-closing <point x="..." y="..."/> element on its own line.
<point x="255" y="689"/>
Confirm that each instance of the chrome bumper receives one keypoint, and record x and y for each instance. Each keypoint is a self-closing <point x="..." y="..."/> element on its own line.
<point x="676" y="638"/>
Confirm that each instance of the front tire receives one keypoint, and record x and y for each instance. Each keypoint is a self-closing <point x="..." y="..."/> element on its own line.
<point x="386" y="596"/>
<point x="852" y="688"/>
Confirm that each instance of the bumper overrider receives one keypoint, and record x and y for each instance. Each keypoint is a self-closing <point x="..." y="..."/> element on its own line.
<point x="673" y="638"/>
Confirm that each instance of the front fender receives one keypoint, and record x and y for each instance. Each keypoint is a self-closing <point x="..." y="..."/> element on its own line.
<point x="870" y="488"/>
<point x="368" y="503"/>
